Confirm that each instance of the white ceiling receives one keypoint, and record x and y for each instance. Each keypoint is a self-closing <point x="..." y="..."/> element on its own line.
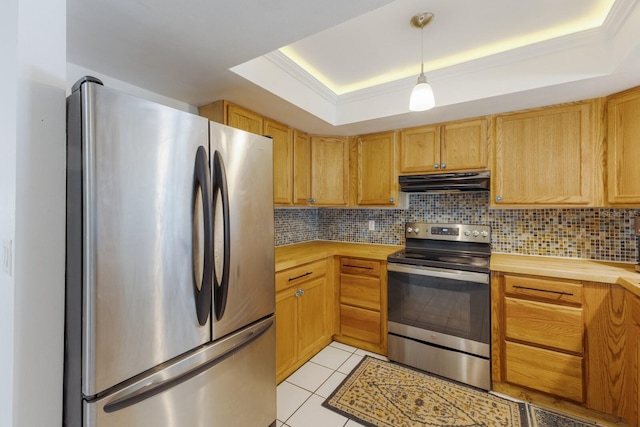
<point x="348" y="67"/>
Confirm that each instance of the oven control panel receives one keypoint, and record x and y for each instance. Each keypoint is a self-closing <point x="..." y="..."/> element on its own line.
<point x="455" y="232"/>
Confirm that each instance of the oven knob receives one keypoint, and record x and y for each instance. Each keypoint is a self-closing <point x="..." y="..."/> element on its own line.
<point x="417" y="230"/>
<point x="476" y="233"/>
<point x="467" y="233"/>
<point x="409" y="229"/>
<point x="484" y="234"/>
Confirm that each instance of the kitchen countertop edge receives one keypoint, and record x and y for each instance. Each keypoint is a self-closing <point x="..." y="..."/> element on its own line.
<point x="569" y="268"/>
<point x="297" y="254"/>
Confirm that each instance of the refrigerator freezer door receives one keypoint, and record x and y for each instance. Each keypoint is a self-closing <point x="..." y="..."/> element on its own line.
<point x="233" y="385"/>
<point x="247" y="160"/>
<point x="141" y="214"/>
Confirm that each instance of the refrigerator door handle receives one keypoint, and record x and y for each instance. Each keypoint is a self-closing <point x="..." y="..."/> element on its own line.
<point x="203" y="182"/>
<point x="220" y="290"/>
<point x="230" y="348"/>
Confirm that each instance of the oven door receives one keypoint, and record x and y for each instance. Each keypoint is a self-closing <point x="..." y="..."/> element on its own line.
<point x="447" y="308"/>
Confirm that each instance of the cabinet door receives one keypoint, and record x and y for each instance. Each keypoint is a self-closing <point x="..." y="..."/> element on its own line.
<point x="623" y="151"/>
<point x="464" y="145"/>
<point x="544" y="157"/>
<point x="282" y="161"/>
<point x="246" y="120"/>
<point x="376" y="171"/>
<point x="420" y="149"/>
<point x="301" y="168"/>
<point x="286" y="330"/>
<point x="312" y="316"/>
<point x="633" y="359"/>
<point x="330" y="170"/>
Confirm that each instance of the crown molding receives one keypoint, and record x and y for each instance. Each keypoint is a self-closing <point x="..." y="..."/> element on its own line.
<point x="285" y="64"/>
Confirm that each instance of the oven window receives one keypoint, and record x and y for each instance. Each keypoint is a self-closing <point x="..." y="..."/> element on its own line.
<point x="448" y="306"/>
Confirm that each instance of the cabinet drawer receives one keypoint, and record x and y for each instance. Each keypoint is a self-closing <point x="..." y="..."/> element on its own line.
<point x="365" y="267"/>
<point x="360" y="323"/>
<point x="544" y="370"/>
<point x="559" y="291"/>
<point x="295" y="276"/>
<point x="360" y="291"/>
<point x="548" y="325"/>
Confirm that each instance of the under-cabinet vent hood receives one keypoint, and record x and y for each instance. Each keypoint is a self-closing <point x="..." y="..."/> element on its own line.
<point x="445" y="182"/>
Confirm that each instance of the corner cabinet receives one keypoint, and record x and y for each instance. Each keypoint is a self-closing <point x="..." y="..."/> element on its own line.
<point x="550" y="156"/>
<point x="302" y="319"/>
<point x="453" y="146"/>
<point x="623" y="151"/>
<point x="376" y="172"/>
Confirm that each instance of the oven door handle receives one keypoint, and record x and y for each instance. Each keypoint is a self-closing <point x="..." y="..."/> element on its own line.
<point x="466" y="276"/>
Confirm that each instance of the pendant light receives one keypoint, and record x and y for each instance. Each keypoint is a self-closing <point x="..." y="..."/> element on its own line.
<point x="422" y="94"/>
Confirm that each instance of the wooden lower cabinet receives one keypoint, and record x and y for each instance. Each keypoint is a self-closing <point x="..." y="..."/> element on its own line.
<point x="302" y="315"/>
<point x="633" y="359"/>
<point x="565" y="343"/>
<point x="363" y="304"/>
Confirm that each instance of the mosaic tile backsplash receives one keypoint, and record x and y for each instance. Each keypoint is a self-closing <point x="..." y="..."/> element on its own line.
<point x="602" y="234"/>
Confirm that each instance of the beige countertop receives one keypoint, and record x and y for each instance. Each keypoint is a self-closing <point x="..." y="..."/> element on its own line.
<point x="563" y="268"/>
<point x="569" y="268"/>
<point x="301" y="253"/>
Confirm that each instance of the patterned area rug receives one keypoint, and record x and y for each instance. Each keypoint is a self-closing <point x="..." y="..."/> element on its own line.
<point x="542" y="417"/>
<point x="380" y="394"/>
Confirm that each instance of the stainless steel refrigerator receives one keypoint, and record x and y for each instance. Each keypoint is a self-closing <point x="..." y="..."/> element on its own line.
<point x="170" y="267"/>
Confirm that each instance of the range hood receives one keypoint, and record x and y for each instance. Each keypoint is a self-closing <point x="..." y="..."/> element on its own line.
<point x="445" y="182"/>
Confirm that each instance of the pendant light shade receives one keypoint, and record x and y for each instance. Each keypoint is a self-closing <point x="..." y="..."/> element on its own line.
<point x="422" y="95"/>
<point x="422" y="98"/>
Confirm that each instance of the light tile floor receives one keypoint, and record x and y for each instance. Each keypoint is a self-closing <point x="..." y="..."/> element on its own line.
<point x="301" y="395"/>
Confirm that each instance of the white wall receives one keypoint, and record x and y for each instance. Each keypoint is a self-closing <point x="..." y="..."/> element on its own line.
<point x="75" y="72"/>
<point x="32" y="209"/>
<point x="8" y="93"/>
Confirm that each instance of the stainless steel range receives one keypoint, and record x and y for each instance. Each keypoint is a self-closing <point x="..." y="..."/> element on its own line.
<point x="439" y="301"/>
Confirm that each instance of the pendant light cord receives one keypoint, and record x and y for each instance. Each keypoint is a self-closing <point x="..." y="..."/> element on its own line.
<point x="422" y="50"/>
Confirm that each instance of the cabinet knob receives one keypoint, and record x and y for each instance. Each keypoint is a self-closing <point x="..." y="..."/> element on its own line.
<point x="498" y="198"/>
<point x="443" y="166"/>
<point x="436" y="166"/>
<point x="392" y="200"/>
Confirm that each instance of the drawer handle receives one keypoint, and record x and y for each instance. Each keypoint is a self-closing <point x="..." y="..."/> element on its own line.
<point x="358" y="266"/>
<point x="291" y="279"/>
<point x="543" y="290"/>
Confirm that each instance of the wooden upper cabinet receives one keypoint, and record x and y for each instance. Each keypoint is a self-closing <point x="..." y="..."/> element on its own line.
<point x="623" y="151"/>
<point x="465" y="145"/>
<point x="301" y="168"/>
<point x="282" y="161"/>
<point x="376" y="169"/>
<point x="246" y="120"/>
<point x="329" y="170"/>
<point x="420" y="149"/>
<point x="548" y="157"/>
<point x="452" y="146"/>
